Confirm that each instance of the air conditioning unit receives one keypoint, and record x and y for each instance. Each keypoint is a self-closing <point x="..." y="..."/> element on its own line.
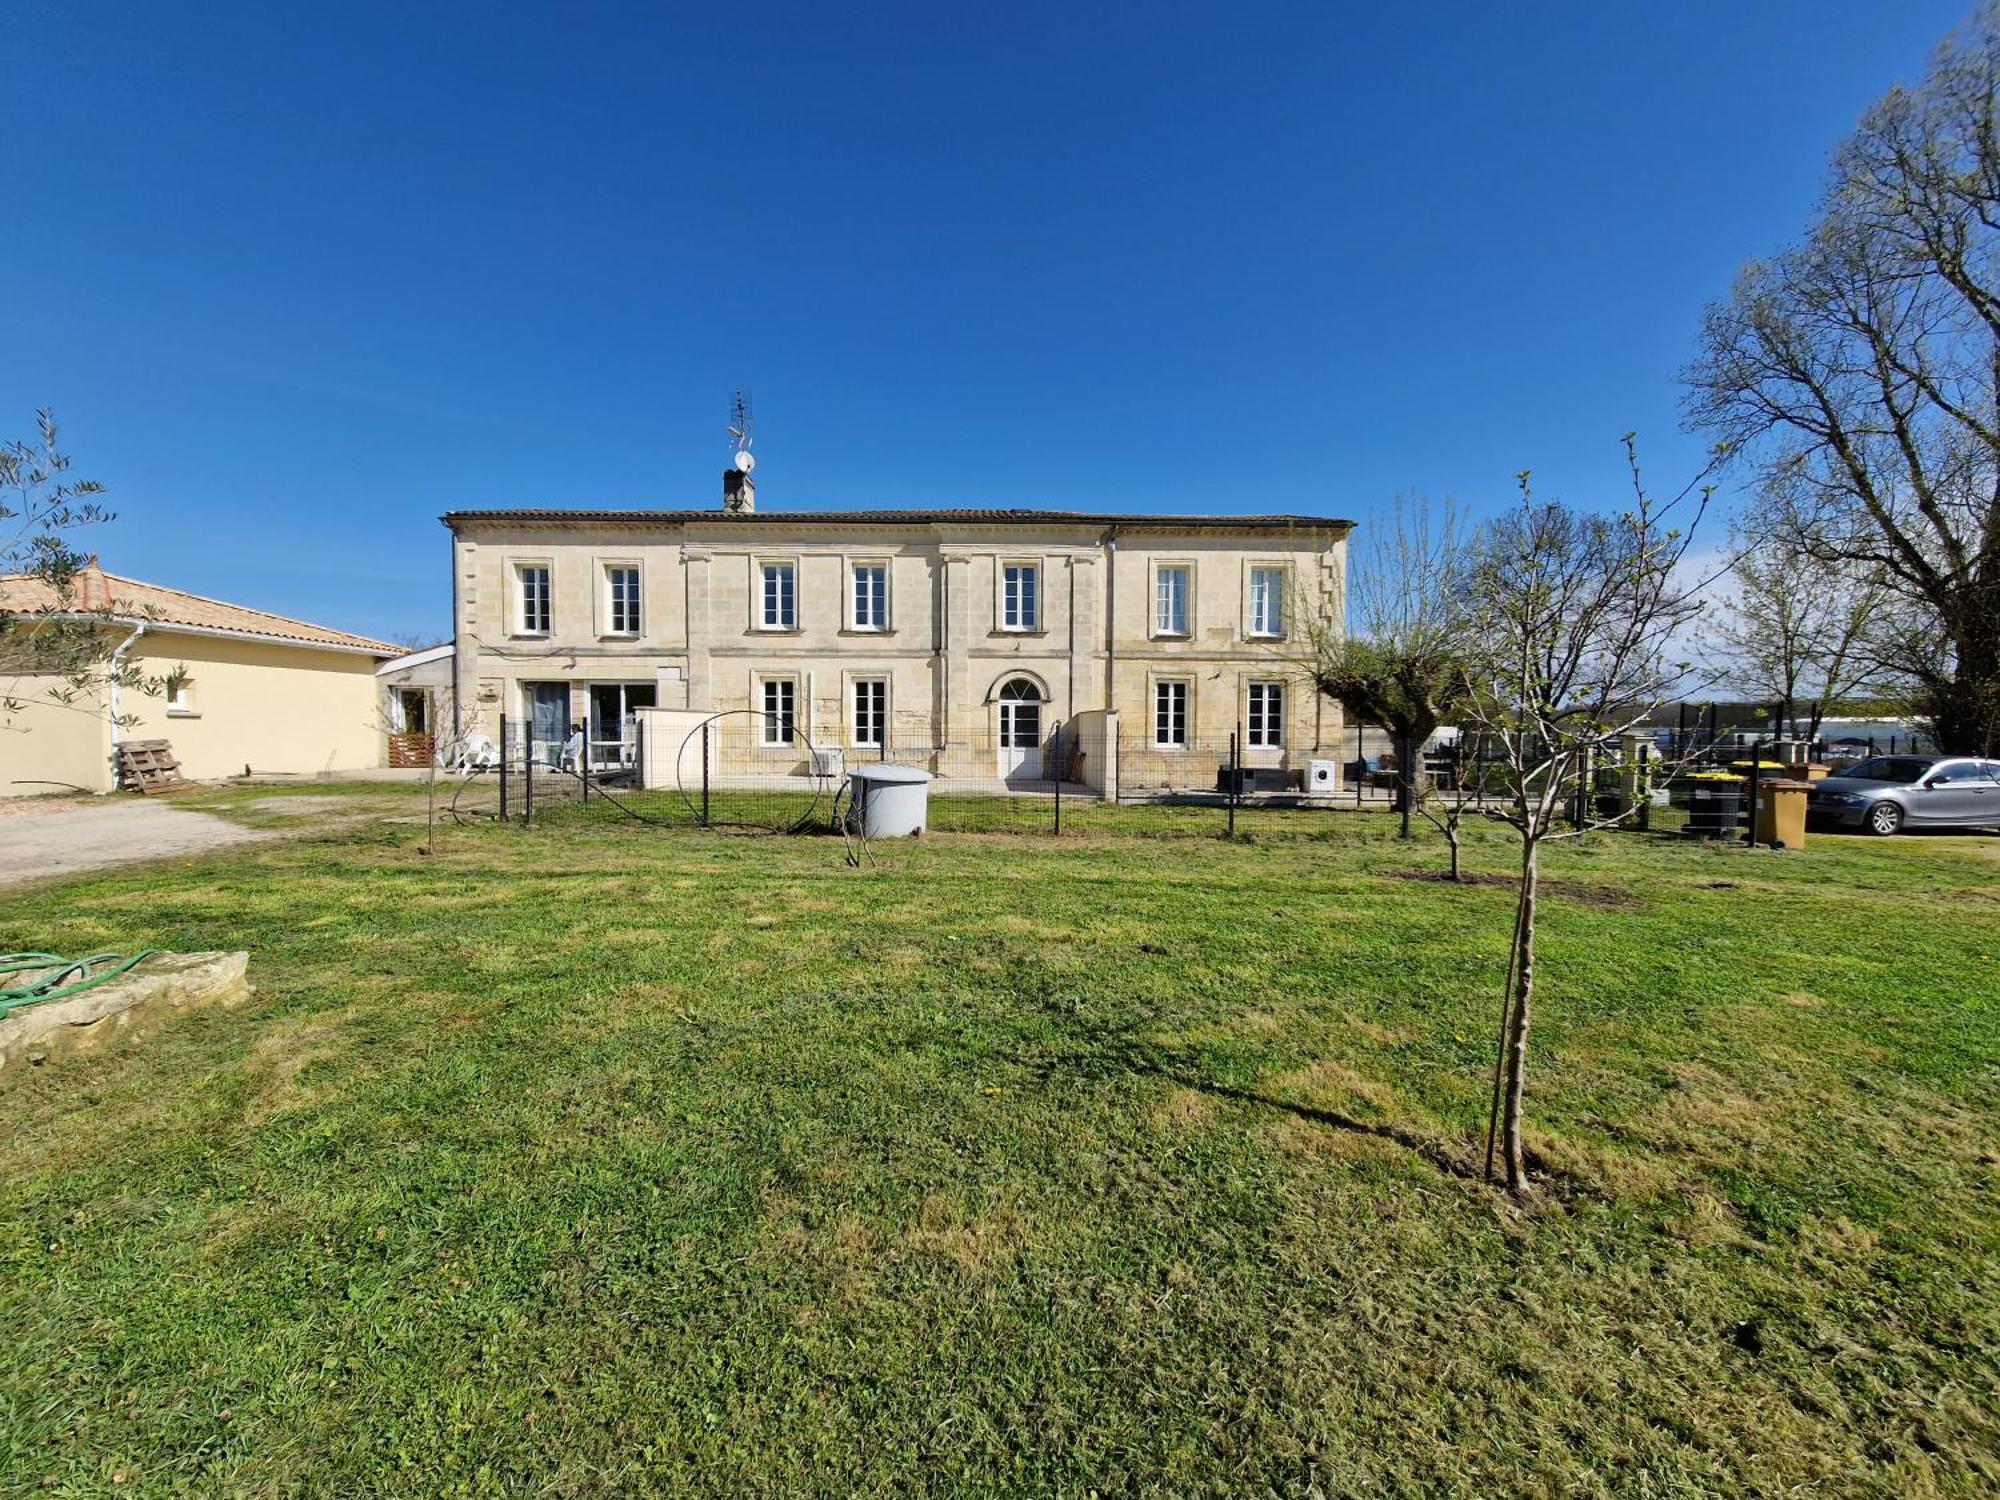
<point x="1323" y="776"/>
<point x="829" y="762"/>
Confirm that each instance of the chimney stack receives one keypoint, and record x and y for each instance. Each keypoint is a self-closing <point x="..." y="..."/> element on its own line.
<point x="739" y="493"/>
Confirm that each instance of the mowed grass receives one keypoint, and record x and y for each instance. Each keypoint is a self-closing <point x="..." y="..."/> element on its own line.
<point x="594" y="1159"/>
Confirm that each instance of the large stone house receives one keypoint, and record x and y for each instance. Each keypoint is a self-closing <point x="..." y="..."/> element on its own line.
<point x="956" y="639"/>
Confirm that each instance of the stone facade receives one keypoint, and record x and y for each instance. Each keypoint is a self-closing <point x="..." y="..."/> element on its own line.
<point x="729" y="607"/>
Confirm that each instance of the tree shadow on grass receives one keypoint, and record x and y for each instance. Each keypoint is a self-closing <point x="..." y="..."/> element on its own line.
<point x="1117" y="1050"/>
<point x="1113" y="1050"/>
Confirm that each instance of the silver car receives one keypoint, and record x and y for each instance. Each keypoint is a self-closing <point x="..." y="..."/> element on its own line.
<point x="1887" y="793"/>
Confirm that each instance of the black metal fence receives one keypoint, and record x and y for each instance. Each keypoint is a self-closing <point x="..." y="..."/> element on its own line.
<point x="749" y="770"/>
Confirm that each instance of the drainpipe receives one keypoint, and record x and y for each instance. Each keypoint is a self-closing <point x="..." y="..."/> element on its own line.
<point x="1069" y="661"/>
<point x="1111" y="620"/>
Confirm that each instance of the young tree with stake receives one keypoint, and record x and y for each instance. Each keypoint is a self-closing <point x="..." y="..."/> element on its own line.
<point x="1575" y="617"/>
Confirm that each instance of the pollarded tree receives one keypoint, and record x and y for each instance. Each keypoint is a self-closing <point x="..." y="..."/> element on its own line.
<point x="1576" y="618"/>
<point x="1861" y="371"/>
<point x="1399" y="660"/>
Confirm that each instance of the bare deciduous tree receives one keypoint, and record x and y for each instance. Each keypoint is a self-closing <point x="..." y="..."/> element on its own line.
<point x="1576" y="617"/>
<point x="1861" y="368"/>
<point x="1800" y="629"/>
<point x="1445" y="806"/>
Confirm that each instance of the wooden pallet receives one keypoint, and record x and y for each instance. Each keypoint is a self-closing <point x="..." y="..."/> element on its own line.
<point x="410" y="750"/>
<point x="148" y="766"/>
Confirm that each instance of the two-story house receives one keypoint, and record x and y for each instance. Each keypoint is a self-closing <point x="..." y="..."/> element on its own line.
<point x="957" y="638"/>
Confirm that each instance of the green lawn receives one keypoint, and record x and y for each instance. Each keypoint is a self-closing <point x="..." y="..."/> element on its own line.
<point x="601" y="1159"/>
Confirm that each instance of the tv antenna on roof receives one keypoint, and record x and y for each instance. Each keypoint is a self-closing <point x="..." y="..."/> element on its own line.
<point x="739" y="432"/>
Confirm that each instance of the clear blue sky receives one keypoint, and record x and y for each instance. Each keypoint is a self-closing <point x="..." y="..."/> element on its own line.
<point x="295" y="284"/>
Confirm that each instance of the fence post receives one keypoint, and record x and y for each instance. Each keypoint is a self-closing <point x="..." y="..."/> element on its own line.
<point x="1405" y="785"/>
<point x="1756" y="778"/>
<point x="583" y="768"/>
<point x="705" y="729"/>
<point x="528" y="783"/>
<point x="503" y="768"/>
<point x="1233" y="776"/>
<point x="1059" y="776"/>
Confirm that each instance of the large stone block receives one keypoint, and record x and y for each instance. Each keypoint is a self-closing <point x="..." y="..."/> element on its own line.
<point x="128" y="1006"/>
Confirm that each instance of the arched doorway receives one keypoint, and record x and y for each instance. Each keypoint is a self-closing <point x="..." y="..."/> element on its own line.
<point x="1020" y="700"/>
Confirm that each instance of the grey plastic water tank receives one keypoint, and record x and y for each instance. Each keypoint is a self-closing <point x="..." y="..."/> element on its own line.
<point x="888" y="801"/>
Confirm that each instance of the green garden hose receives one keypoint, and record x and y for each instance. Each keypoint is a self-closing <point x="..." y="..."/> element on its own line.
<point x="60" y="977"/>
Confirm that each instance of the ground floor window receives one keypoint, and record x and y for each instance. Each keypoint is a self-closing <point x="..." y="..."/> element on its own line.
<point x="413" y="711"/>
<point x="614" y="720"/>
<point x="871" y="712"/>
<point x="780" y="704"/>
<point x="1267" y="715"/>
<point x="1170" y="714"/>
<point x="1020" y="715"/>
<point x="549" y="727"/>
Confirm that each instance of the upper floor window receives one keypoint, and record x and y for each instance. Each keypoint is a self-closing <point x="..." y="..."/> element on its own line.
<point x="1267" y="601"/>
<point x="621" y="593"/>
<point x="531" y="589"/>
<point x="1266" y="728"/>
<point x="1020" y="604"/>
<point x="781" y="596"/>
<point x="871" y="596"/>
<point x="1170" y="602"/>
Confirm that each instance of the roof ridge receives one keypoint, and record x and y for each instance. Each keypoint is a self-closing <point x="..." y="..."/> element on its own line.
<point x="906" y="514"/>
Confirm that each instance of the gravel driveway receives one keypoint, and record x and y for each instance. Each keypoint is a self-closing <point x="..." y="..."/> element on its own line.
<point x="65" y="839"/>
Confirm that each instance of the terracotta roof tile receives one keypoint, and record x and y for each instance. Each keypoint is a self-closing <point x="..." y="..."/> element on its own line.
<point x="129" y="598"/>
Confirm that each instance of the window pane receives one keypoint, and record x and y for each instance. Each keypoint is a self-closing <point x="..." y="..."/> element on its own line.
<point x="780" y="600"/>
<point x="1018" y="596"/>
<point x="1267" y="601"/>
<point x="1170" y="713"/>
<point x="1171" y="614"/>
<point x="777" y="720"/>
<point x="1267" y="714"/>
<point x="624" y="589"/>
<point x="535" y="599"/>
<point x="871" y="598"/>
<point x="870" y="711"/>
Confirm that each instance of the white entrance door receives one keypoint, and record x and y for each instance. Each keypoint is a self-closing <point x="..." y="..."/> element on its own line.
<point x="1020" y="731"/>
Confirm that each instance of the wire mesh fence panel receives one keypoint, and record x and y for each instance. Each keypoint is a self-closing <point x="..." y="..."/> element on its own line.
<point x="748" y="769"/>
<point x="1017" y="780"/>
